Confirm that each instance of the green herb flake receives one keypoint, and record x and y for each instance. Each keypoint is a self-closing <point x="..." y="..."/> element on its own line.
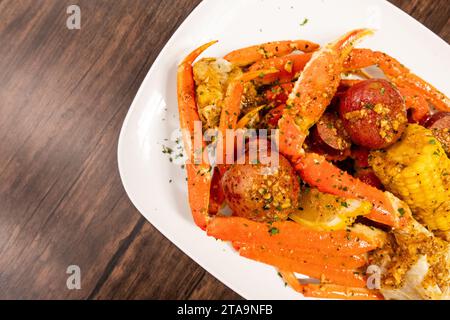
<point x="369" y="106"/>
<point x="304" y="22"/>
<point x="273" y="231"/>
<point x="167" y="150"/>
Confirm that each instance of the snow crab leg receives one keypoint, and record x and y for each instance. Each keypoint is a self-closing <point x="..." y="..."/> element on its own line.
<point x="304" y="256"/>
<point x="314" y="91"/>
<point x="288" y="68"/>
<point x="198" y="175"/>
<point x="247" y="56"/>
<point x="327" y="273"/>
<point x="291" y="235"/>
<point x="329" y="291"/>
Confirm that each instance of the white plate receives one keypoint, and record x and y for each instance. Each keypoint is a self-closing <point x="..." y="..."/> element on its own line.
<point x="153" y="116"/>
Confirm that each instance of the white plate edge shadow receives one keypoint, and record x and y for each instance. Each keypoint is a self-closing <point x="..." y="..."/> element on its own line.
<point x="197" y="11"/>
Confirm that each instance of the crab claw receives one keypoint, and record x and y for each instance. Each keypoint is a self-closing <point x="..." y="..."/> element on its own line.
<point x="314" y="91"/>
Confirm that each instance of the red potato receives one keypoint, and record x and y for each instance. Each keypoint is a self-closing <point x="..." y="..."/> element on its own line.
<point x="373" y="113"/>
<point x="254" y="192"/>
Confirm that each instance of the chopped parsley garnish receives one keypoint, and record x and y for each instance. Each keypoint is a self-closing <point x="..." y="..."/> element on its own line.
<point x="401" y="211"/>
<point x="369" y="106"/>
<point x="273" y="231"/>
<point x="167" y="150"/>
<point x="304" y="22"/>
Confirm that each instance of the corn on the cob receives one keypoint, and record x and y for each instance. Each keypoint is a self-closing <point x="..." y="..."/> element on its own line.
<point x="438" y="219"/>
<point x="417" y="170"/>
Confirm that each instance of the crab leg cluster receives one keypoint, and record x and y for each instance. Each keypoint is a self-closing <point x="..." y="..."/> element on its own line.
<point x="336" y="258"/>
<point x="198" y="175"/>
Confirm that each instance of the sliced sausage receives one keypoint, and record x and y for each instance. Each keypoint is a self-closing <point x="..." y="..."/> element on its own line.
<point x="439" y="124"/>
<point x="330" y="131"/>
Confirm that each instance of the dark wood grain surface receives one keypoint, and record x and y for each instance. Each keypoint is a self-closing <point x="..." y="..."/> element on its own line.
<point x="63" y="97"/>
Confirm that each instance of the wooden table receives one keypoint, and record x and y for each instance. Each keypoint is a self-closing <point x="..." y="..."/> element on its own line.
<point x="63" y="97"/>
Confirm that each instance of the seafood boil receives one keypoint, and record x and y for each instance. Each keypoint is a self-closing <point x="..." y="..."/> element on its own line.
<point x="362" y="181"/>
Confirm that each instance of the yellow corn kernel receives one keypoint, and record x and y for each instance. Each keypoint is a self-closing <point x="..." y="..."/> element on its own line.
<point x="438" y="219"/>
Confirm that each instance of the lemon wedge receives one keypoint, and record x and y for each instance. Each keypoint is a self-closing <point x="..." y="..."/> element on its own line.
<point x="324" y="211"/>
